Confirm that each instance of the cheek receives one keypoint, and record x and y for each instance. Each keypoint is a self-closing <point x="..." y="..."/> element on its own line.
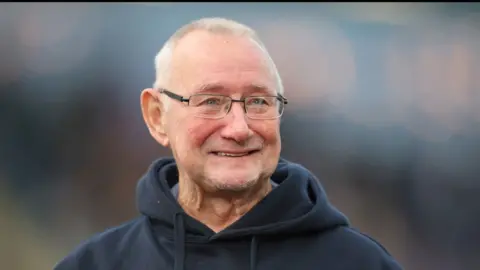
<point x="198" y="131"/>
<point x="270" y="132"/>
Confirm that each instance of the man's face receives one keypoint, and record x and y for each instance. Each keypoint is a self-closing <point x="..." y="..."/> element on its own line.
<point x="235" y="67"/>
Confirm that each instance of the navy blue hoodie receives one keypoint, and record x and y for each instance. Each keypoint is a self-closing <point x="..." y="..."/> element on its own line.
<point x="293" y="227"/>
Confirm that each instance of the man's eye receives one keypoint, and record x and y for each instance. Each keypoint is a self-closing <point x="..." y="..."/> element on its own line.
<point x="258" y="101"/>
<point x="213" y="101"/>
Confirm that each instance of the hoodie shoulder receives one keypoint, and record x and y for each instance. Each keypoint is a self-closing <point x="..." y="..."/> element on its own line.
<point x="365" y="250"/>
<point x="102" y="250"/>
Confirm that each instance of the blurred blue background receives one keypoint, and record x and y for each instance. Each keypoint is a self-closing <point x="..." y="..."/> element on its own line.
<point x="384" y="108"/>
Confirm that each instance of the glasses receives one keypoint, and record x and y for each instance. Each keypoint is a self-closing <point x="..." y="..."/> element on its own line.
<point x="218" y="106"/>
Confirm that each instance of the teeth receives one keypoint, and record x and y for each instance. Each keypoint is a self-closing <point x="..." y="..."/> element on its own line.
<point x="231" y="155"/>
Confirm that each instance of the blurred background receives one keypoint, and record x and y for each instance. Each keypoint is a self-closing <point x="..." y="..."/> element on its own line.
<point x="384" y="108"/>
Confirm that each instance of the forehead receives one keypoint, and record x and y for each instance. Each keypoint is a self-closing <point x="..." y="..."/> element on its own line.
<point x="205" y="62"/>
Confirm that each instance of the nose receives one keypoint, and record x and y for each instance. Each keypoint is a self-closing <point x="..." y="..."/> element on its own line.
<point x="236" y="127"/>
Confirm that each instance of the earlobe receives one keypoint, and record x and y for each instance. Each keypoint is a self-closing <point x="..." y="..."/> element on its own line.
<point x="153" y="115"/>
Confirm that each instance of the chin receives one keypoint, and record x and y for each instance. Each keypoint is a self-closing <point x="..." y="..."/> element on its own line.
<point x="233" y="181"/>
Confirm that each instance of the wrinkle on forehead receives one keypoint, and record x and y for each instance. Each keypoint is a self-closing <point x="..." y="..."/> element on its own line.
<point x="203" y="59"/>
<point x="247" y="89"/>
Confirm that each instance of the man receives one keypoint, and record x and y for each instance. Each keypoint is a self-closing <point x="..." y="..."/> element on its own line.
<point x="226" y="200"/>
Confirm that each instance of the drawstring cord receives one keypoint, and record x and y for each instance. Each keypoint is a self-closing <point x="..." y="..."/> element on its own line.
<point x="179" y="242"/>
<point x="253" y="253"/>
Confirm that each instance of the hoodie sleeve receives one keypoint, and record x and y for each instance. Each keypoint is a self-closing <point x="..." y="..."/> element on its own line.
<point x="387" y="261"/>
<point x="76" y="259"/>
<point x="68" y="263"/>
<point x="390" y="263"/>
<point x="373" y="254"/>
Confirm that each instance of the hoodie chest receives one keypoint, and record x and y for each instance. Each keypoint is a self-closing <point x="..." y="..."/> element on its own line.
<point x="292" y="253"/>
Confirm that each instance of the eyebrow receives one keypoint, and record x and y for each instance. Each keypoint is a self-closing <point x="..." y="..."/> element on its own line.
<point x="221" y="89"/>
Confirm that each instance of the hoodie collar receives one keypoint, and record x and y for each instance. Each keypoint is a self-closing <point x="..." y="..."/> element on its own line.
<point x="304" y="205"/>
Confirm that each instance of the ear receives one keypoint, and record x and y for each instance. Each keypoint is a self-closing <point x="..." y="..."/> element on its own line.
<point x="154" y="115"/>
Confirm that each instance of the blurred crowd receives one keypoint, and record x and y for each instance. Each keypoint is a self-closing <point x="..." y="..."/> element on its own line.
<point x="384" y="108"/>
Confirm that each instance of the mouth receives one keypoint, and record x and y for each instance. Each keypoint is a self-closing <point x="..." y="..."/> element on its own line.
<point x="233" y="154"/>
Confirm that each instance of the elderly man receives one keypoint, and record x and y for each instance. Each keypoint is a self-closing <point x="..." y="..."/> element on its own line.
<point x="226" y="200"/>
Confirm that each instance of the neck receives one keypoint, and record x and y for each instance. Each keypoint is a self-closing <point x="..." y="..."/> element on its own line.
<point x="218" y="210"/>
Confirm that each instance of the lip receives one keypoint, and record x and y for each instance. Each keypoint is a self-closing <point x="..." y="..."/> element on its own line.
<point x="239" y="153"/>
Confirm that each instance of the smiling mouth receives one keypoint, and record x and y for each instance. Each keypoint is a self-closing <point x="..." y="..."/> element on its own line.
<point x="234" y="155"/>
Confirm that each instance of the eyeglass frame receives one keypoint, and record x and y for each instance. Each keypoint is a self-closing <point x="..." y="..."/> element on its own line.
<point x="182" y="99"/>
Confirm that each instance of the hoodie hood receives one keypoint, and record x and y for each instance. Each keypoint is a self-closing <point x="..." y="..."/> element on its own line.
<point x="302" y="200"/>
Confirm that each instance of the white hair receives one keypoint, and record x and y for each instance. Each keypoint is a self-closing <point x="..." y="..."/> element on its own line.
<point x="216" y="26"/>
